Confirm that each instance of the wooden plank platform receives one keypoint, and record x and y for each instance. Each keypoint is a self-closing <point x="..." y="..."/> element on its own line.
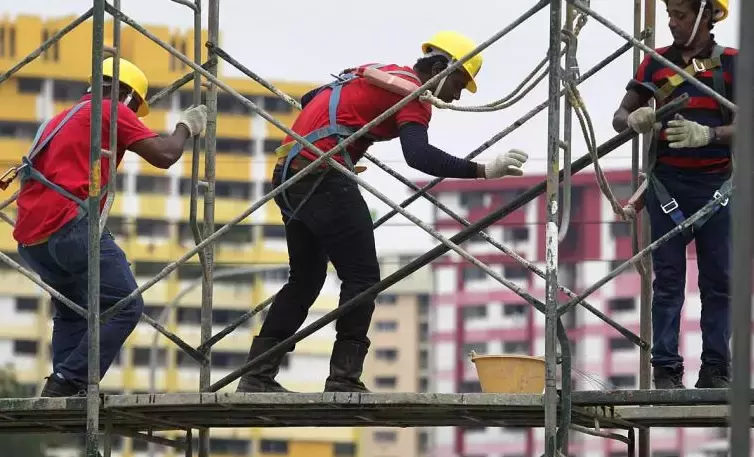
<point x="191" y="410"/>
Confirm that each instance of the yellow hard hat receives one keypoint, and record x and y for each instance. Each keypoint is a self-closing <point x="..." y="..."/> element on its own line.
<point x="719" y="9"/>
<point x="457" y="46"/>
<point x="131" y="75"/>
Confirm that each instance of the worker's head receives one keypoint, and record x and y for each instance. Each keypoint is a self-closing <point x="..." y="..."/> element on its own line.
<point x="443" y="49"/>
<point x="691" y="21"/>
<point x="132" y="85"/>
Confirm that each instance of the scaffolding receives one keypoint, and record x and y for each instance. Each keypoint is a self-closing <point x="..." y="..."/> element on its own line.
<point x="557" y="410"/>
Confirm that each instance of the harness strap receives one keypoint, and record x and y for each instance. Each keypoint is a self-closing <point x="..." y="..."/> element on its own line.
<point x="27" y="171"/>
<point x="697" y="66"/>
<point x="293" y="149"/>
<point x="668" y="204"/>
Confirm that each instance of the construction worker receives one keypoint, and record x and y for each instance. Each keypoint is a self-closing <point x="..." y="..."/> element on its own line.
<point x="325" y="215"/>
<point x="690" y="162"/>
<point x="52" y="225"/>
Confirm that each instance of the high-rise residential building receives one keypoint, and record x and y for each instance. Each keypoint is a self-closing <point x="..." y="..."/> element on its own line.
<point x="398" y="358"/>
<point x="150" y="219"/>
<point x="471" y="311"/>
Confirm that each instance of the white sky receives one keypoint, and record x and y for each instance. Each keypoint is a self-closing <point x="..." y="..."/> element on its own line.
<point x="313" y="39"/>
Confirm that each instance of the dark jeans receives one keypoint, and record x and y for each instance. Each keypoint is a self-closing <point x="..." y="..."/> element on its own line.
<point x="62" y="263"/>
<point x="333" y="224"/>
<point x="691" y="192"/>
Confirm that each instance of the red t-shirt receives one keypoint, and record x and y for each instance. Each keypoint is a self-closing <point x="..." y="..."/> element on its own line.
<point x="65" y="162"/>
<point x="360" y="102"/>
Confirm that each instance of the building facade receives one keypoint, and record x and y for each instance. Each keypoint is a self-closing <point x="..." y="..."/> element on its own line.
<point x="471" y="311"/>
<point x="150" y="219"/>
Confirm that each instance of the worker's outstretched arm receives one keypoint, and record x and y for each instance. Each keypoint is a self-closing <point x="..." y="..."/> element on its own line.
<point x="164" y="151"/>
<point x="422" y="156"/>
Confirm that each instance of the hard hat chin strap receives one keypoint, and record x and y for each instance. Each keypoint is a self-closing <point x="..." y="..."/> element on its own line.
<point x="702" y="5"/>
<point x="436" y="52"/>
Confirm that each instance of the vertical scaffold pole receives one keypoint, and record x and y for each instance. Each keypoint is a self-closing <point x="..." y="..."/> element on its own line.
<point x="93" y="201"/>
<point x="113" y="143"/>
<point x="551" y="251"/>
<point x="741" y="268"/>
<point x="209" y="213"/>
<point x="640" y="229"/>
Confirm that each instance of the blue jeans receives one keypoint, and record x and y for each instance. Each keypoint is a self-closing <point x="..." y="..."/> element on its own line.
<point x="62" y="262"/>
<point x="713" y="246"/>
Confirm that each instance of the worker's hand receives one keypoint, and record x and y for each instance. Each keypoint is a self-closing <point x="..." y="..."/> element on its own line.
<point x="687" y="134"/>
<point x="642" y="120"/>
<point x="194" y="119"/>
<point x="508" y="164"/>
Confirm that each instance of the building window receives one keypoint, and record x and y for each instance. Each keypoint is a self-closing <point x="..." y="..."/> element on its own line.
<point x="423" y="385"/>
<point x="19" y="130"/>
<point x="385" y="436"/>
<point x="472" y="200"/>
<point x="12" y="41"/>
<point x="423" y="359"/>
<point x="152" y="228"/>
<point x="276" y="105"/>
<point x="189" y="316"/>
<point x="423" y="300"/>
<point x="387" y="299"/>
<point x="148" y="269"/>
<point x="389" y="355"/>
<point x="621" y="344"/>
<point x="516" y="273"/>
<point x="27" y="304"/>
<point x="25" y="347"/>
<point x="274" y="231"/>
<point x="479" y="348"/>
<point x="385" y="382"/>
<point x="423" y="332"/>
<point x="269" y="146"/>
<point x="227" y="359"/>
<point x="2" y="41"/>
<point x="516" y="234"/>
<point x="273" y="446"/>
<point x="516" y="347"/>
<point x="153" y="184"/>
<point x="30" y="85"/>
<point x="622" y="304"/>
<point x="423" y="442"/>
<point x="153" y="311"/>
<point x="224" y="317"/>
<point x="473" y="273"/>
<point x="470" y="387"/>
<point x="237" y="190"/>
<point x="620" y="229"/>
<point x="141" y="357"/>
<point x="66" y="91"/>
<point x="55" y="48"/>
<point x="474" y="312"/>
<point x="625" y="381"/>
<point x="513" y="310"/>
<point x="344" y="449"/>
<point x="229" y="446"/>
<point x="386" y="326"/>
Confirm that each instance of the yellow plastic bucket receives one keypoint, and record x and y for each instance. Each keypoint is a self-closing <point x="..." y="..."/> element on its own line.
<point x="510" y="374"/>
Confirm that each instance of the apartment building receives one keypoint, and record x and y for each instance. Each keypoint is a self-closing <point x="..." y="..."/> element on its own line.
<point x="399" y="356"/>
<point x="150" y="219"/>
<point x="471" y="311"/>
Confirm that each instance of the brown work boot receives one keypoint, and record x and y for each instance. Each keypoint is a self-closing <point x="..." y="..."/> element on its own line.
<point x="261" y="378"/>
<point x="346" y="365"/>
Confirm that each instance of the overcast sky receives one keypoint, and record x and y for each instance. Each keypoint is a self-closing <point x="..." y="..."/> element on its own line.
<point x="308" y="40"/>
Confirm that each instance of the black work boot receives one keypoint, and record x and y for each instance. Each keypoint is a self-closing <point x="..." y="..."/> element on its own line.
<point x="668" y="378"/>
<point x="59" y="387"/>
<point x="346" y="365"/>
<point x="261" y="378"/>
<point x="713" y="377"/>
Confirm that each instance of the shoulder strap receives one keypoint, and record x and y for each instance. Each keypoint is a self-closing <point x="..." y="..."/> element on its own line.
<point x="36" y="146"/>
<point x="718" y="83"/>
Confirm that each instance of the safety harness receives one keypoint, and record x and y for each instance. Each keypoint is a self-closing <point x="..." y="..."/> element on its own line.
<point x="294" y="148"/>
<point x="668" y="204"/>
<point x="27" y="171"/>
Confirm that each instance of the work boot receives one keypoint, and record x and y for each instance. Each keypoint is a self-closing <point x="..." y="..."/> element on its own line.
<point x="261" y="378"/>
<point x="713" y="377"/>
<point x="668" y="378"/>
<point x="56" y="386"/>
<point x="346" y="365"/>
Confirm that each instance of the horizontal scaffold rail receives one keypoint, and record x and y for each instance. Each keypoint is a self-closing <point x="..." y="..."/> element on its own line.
<point x="181" y="411"/>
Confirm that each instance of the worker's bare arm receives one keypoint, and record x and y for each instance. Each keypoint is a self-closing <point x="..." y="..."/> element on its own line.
<point x="162" y="151"/>
<point x="632" y="101"/>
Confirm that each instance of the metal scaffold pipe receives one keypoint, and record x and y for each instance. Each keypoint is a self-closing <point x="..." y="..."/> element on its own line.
<point x="423" y="260"/>
<point x="93" y="204"/>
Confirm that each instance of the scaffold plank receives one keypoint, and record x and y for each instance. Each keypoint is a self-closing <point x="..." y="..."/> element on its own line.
<point x="175" y="411"/>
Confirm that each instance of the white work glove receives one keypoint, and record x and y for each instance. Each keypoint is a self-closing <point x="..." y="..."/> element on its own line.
<point x="642" y="120"/>
<point x="508" y="164"/>
<point x="194" y="119"/>
<point x="687" y="134"/>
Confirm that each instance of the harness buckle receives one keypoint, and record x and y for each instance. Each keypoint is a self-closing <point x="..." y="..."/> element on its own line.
<point x="670" y="206"/>
<point x="717" y="195"/>
<point x="699" y="66"/>
<point x="7" y="178"/>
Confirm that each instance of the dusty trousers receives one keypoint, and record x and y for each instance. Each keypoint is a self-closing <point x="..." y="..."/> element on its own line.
<point x="334" y="224"/>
